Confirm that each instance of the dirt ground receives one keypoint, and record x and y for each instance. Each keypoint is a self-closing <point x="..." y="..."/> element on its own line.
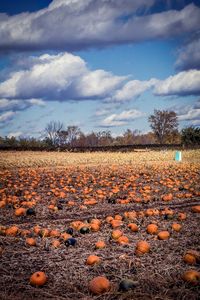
<point x="67" y="184"/>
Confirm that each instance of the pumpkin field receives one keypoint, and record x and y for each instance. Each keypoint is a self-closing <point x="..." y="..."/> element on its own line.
<point x="100" y="225"/>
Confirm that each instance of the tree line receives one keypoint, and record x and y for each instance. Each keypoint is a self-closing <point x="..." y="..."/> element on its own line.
<point x="164" y="125"/>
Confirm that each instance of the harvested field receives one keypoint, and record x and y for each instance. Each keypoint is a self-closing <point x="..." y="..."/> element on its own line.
<point x="18" y="159"/>
<point x="64" y="188"/>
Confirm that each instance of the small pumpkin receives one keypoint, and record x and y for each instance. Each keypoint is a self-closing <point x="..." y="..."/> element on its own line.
<point x="65" y="236"/>
<point x="118" y="217"/>
<point x="100" y="245"/>
<point x="195" y="253"/>
<point x="95" y="221"/>
<point x="56" y="243"/>
<point x="20" y="211"/>
<point x="109" y="219"/>
<point x="36" y="229"/>
<point x="31" y="241"/>
<point x="92" y="260"/>
<point x="196" y="209"/>
<point x="142" y="247"/>
<point x="123" y="240"/>
<point x="116" y="234"/>
<point x="133" y="227"/>
<point x="94" y="227"/>
<point x="38" y="278"/>
<point x="12" y="231"/>
<point x="163" y="235"/>
<point x="189" y="259"/>
<point x="182" y="216"/>
<point x="192" y="277"/>
<point x="116" y="223"/>
<point x="131" y="215"/>
<point x="152" y="229"/>
<point x="54" y="233"/>
<point x="99" y="285"/>
<point x="176" y="227"/>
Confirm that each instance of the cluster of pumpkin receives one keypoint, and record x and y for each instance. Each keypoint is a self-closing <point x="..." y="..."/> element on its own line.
<point x="84" y="187"/>
<point x="101" y="284"/>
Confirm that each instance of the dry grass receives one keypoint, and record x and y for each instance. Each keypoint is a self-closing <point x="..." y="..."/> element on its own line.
<point x="64" y="159"/>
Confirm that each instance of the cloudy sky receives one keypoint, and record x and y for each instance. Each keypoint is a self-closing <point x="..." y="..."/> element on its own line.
<point x="98" y="64"/>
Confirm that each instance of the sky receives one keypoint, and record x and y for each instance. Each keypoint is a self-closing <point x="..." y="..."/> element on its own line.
<point x="97" y="64"/>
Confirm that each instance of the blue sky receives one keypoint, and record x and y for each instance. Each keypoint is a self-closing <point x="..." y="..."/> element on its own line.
<point x="98" y="64"/>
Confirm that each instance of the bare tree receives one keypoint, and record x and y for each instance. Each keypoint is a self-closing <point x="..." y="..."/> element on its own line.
<point x="69" y="137"/>
<point x="52" y="131"/>
<point x="164" y="124"/>
<point x="72" y="134"/>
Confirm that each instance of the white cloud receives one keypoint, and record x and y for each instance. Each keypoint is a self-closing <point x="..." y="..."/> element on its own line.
<point x="190" y="114"/>
<point x="75" y="24"/>
<point x="122" y="118"/>
<point x="182" y="84"/>
<point x="132" y="89"/>
<point x="7" y="116"/>
<point x="59" y="77"/>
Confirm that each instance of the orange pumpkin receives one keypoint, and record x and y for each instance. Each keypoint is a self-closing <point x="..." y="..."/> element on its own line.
<point x="192" y="277"/>
<point x="118" y="217"/>
<point x="109" y="219"/>
<point x="65" y="236"/>
<point x="189" y="259"/>
<point x="56" y="243"/>
<point x="123" y="240"/>
<point x="38" y="279"/>
<point x="20" y="211"/>
<point x="182" y="216"/>
<point x="116" y="223"/>
<point x="94" y="227"/>
<point x="2" y="204"/>
<point x="142" y="247"/>
<point x="36" y="229"/>
<point x="31" y="241"/>
<point x="12" y="231"/>
<point x="54" y="233"/>
<point x="152" y="229"/>
<point x="92" y="260"/>
<point x="196" y="209"/>
<point x="163" y="235"/>
<point x="100" y="245"/>
<point x="167" y="197"/>
<point x="131" y="215"/>
<point x="116" y="234"/>
<point x="133" y="227"/>
<point x="195" y="253"/>
<point x="95" y="221"/>
<point x="99" y="285"/>
<point x="176" y="227"/>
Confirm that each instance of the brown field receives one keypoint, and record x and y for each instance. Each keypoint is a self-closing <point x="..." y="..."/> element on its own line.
<point x="139" y="187"/>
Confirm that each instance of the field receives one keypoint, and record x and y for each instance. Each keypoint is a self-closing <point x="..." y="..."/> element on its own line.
<point x="49" y="200"/>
